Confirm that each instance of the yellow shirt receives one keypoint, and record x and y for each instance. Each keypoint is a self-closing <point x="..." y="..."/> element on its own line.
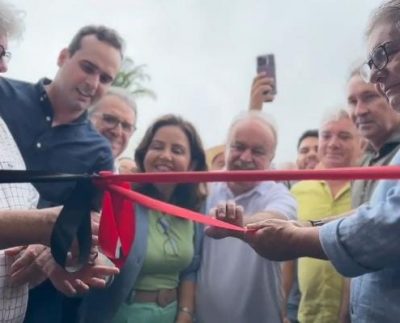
<point x="320" y="284"/>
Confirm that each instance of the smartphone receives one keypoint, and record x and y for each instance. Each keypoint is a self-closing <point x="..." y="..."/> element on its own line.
<point x="266" y="63"/>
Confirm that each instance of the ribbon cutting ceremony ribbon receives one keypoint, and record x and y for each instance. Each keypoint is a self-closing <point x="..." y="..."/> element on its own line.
<point x="117" y="226"/>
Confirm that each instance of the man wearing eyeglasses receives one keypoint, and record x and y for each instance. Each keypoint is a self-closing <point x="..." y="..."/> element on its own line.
<point x="13" y="196"/>
<point x="114" y="116"/>
<point x="364" y="245"/>
<point x="9" y="28"/>
<point x="5" y="55"/>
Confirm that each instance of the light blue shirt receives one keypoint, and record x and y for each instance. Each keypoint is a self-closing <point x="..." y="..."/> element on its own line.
<point x="366" y="245"/>
<point x="235" y="284"/>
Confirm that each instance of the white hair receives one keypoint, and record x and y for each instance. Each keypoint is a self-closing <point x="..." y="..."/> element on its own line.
<point x="387" y="13"/>
<point x="11" y="20"/>
<point x="265" y="118"/>
<point x="121" y="94"/>
<point x="334" y="114"/>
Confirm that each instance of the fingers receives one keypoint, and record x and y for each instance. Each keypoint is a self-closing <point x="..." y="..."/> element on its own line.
<point x="96" y="282"/>
<point x="95" y="221"/>
<point x="28" y="267"/>
<point x="93" y="256"/>
<point x="27" y="257"/>
<point x="95" y="240"/>
<point x="80" y="287"/>
<point x="227" y="212"/>
<point x="100" y="271"/>
<point x="262" y="78"/>
<point x="259" y="225"/>
<point x="261" y="91"/>
<point x="65" y="287"/>
<point x="13" y="252"/>
<point x="230" y="212"/>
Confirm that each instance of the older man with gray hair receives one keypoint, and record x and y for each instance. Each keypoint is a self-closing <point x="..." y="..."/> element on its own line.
<point x="364" y="245"/>
<point x="339" y="145"/>
<point x="114" y="116"/>
<point x="11" y="27"/>
<point x="235" y="284"/>
<point x="12" y="196"/>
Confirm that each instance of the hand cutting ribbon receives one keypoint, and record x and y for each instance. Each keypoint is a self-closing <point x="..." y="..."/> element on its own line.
<point x="117" y="225"/>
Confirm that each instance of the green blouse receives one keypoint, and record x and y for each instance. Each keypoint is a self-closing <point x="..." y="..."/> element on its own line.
<point x="170" y="249"/>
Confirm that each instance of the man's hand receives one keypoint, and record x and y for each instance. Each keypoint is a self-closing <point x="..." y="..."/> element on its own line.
<point x="281" y="240"/>
<point x="95" y="223"/>
<point x="183" y="317"/>
<point x="25" y="268"/>
<point x="228" y="212"/>
<point x="93" y="275"/>
<point x="261" y="91"/>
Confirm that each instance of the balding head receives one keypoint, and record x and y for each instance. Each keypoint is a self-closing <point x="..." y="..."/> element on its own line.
<point x="251" y="145"/>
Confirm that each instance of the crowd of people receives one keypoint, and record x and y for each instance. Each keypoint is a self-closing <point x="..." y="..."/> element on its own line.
<point x="314" y="250"/>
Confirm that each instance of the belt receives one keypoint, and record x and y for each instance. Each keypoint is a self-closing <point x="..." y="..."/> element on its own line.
<point x="162" y="297"/>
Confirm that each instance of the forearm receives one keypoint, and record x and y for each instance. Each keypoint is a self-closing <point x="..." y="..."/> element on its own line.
<point x="344" y="315"/>
<point x="186" y="301"/>
<point x="330" y="218"/>
<point x="288" y="274"/>
<point x="21" y="227"/>
<point x="281" y="240"/>
<point x="261" y="216"/>
<point x="305" y="243"/>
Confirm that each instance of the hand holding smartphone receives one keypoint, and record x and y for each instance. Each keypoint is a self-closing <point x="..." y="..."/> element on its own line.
<point x="266" y="64"/>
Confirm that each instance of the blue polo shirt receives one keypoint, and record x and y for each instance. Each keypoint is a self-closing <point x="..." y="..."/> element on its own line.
<point x="71" y="148"/>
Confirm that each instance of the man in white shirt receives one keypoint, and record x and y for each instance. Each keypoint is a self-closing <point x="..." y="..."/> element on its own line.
<point x="235" y="284"/>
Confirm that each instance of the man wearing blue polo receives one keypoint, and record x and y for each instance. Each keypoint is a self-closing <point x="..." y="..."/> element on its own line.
<point x="49" y="123"/>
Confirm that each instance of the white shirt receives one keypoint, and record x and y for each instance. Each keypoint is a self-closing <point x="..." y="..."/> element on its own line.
<point x="13" y="300"/>
<point x="235" y="284"/>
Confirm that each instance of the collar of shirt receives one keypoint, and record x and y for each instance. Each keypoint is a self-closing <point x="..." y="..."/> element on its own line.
<point x="47" y="106"/>
<point x="260" y="189"/>
<point x="390" y="144"/>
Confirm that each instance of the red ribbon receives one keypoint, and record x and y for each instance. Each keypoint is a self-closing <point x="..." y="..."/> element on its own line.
<point x="345" y="173"/>
<point x="118" y="221"/>
<point x="117" y="225"/>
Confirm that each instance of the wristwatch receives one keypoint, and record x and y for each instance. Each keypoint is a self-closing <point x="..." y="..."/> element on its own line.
<point x="316" y="223"/>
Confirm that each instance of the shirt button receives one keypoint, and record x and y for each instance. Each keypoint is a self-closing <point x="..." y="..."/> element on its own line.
<point x="38" y="145"/>
<point x="48" y="118"/>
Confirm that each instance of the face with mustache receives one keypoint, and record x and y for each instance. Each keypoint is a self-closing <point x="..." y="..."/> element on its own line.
<point x="85" y="76"/>
<point x="251" y="146"/>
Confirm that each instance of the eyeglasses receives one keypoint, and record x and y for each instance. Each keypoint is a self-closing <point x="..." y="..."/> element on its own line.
<point x="112" y="122"/>
<point x="5" y="55"/>
<point x="379" y="58"/>
<point x="170" y="244"/>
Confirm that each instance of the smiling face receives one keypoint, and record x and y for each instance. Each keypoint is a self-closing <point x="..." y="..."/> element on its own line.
<point x="85" y="76"/>
<point x="169" y="151"/>
<point x="307" y="153"/>
<point x="251" y="146"/>
<point x="370" y="111"/>
<point x="388" y="78"/>
<point x="339" y="143"/>
<point x="111" y="106"/>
